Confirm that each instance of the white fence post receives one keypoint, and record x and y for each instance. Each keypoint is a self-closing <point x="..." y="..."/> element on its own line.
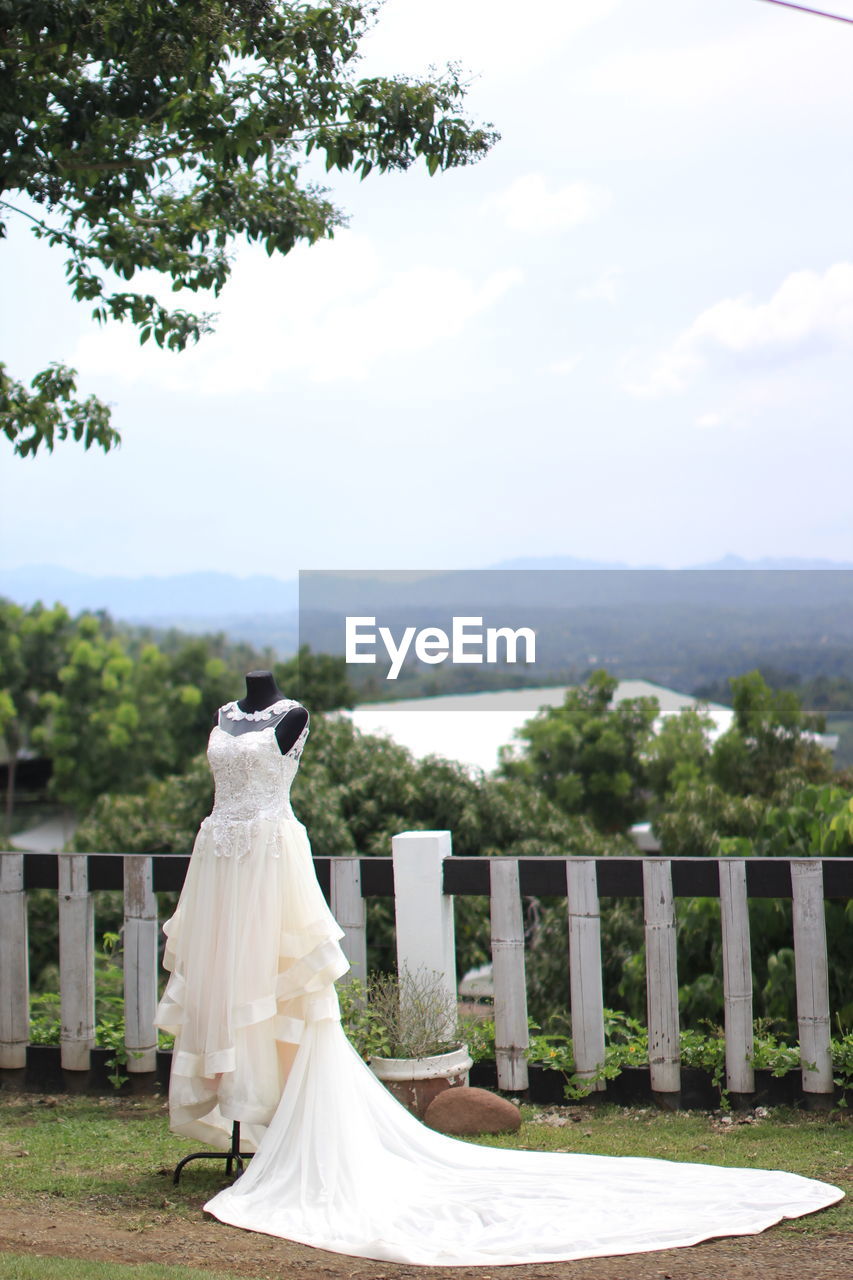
<point x="507" y="928"/>
<point x="76" y="962"/>
<point x="14" y="963"/>
<point x="350" y="910"/>
<point x="737" y="975"/>
<point x="810" y="962"/>
<point x="585" y="969"/>
<point x="423" y="912"/>
<point x="661" y="976"/>
<point x="140" y="965"/>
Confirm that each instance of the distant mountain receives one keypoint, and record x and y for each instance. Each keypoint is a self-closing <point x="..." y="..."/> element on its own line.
<point x="260" y="603"/>
<point x="565" y="562"/>
<point x="730" y="561"/>
<point x="726" y="562"/>
<point x="187" y="598"/>
<point x="679" y="627"/>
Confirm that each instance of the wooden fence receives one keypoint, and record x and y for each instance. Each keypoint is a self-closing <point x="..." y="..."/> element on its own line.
<point x="422" y="878"/>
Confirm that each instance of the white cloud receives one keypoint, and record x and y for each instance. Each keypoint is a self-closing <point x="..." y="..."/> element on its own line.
<point x="707" y="420"/>
<point x="529" y="205"/>
<point x="333" y="311"/>
<point x="488" y="37"/>
<point x="808" y="314"/>
<point x="757" y="55"/>
<point x="561" y="368"/>
<point x="603" y="288"/>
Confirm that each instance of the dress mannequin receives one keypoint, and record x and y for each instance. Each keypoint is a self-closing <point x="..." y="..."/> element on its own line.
<point x="252" y="947"/>
<point x="263" y="692"/>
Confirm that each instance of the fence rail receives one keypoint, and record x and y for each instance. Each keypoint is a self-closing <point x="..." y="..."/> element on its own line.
<point x="422" y="877"/>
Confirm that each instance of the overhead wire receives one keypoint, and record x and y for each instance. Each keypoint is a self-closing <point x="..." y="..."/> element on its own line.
<point x="820" y="13"/>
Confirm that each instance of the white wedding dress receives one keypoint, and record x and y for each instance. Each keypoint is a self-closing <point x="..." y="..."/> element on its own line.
<point x="341" y="1165"/>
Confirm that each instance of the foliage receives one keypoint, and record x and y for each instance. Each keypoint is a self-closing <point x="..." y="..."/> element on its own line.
<point x="547" y="948"/>
<point x="680" y="751"/>
<point x="817" y="822"/>
<point x="842" y="1061"/>
<point x="45" y="1017"/>
<point x="49" y="410"/>
<point x="32" y="645"/>
<point x="117" y="708"/>
<point x="770" y="1053"/>
<point x="480" y="1038"/>
<point x="162" y="818"/>
<point x="587" y="755"/>
<point x="768" y="743"/>
<point x="765" y="788"/>
<point x="151" y="136"/>
<point x="359" y="1021"/>
<point x="109" y="724"/>
<point x="700" y="960"/>
<point x="407" y="1016"/>
<point x="698" y="815"/>
<point x="317" y="680"/>
<point x="627" y="1045"/>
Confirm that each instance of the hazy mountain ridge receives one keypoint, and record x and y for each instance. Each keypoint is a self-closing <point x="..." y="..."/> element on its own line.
<point x="159" y="600"/>
<point x="209" y="596"/>
<point x="680" y="626"/>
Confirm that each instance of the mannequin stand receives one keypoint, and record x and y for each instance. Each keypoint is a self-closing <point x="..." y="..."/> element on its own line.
<point x="233" y="1157"/>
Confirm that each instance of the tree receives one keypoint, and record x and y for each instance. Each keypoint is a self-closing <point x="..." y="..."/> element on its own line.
<point x="587" y="755"/>
<point x="32" y="646"/>
<point x="150" y="135"/>
<point x="680" y="751"/>
<point x="110" y="723"/>
<point x="319" y="680"/>
<point x="768" y="747"/>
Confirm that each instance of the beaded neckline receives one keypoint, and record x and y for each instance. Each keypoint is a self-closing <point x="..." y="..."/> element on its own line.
<point x="233" y="712"/>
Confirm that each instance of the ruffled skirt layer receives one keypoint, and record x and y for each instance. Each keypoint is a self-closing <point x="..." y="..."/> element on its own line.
<point x="344" y="1167"/>
<point x="253" y="952"/>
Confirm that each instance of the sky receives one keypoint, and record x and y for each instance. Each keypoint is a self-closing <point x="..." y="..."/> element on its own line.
<point x="625" y="335"/>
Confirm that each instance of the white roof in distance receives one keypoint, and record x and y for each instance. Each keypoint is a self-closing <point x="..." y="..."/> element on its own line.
<point x="472" y="727"/>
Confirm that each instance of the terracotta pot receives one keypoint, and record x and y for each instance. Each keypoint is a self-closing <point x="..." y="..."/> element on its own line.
<point x="416" y="1081"/>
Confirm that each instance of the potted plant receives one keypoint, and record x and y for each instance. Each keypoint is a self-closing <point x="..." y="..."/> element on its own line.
<point x="409" y="1029"/>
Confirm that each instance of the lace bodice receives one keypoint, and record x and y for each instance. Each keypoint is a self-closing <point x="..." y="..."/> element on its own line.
<point x="252" y="778"/>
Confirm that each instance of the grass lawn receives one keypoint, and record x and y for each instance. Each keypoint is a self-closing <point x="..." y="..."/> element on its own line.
<point x="23" y="1266"/>
<point x="112" y="1158"/>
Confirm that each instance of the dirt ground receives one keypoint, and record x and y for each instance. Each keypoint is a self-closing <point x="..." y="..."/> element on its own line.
<point x="783" y="1253"/>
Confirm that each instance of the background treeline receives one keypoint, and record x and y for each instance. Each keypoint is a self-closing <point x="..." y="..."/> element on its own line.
<point x="124" y="716"/>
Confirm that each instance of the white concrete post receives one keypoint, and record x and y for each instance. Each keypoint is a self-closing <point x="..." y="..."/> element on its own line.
<point x="424" y="914"/>
<point x="14" y="963"/>
<point x="140" y="965"/>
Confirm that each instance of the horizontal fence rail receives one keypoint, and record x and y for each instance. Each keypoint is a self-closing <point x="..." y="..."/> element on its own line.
<point x="423" y="876"/>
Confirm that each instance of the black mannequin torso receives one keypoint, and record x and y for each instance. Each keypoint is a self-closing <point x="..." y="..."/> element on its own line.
<point x="262" y="692"/>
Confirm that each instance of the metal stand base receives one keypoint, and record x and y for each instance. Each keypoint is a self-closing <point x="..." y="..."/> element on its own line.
<point x="233" y="1157"/>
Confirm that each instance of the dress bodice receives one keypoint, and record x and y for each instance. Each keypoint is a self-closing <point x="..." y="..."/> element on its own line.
<point x="252" y="777"/>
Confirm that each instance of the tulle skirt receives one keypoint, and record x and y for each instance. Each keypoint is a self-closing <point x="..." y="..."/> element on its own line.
<point x="253" y="952"/>
<point x="344" y="1167"/>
